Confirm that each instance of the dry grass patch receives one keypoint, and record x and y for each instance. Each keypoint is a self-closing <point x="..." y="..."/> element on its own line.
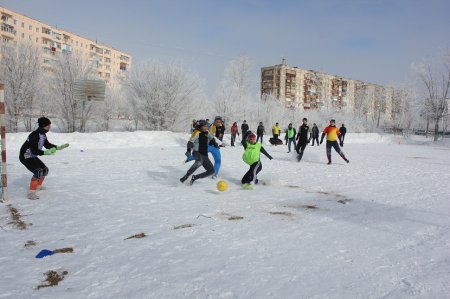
<point x="30" y="243"/>
<point x="16" y="217"/>
<point x="310" y="207"/>
<point x="137" y="236"/>
<point x="282" y="213"/>
<point x="64" y="250"/>
<point x="53" y="278"/>
<point x="183" y="226"/>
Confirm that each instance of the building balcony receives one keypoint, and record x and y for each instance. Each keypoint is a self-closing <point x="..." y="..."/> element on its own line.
<point x="8" y="31"/>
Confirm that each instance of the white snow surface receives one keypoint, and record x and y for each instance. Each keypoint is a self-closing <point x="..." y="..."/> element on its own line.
<point x="378" y="227"/>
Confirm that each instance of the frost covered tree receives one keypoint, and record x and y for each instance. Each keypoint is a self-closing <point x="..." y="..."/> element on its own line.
<point x="232" y="100"/>
<point x="65" y="70"/>
<point x="435" y="82"/>
<point x="20" y="71"/>
<point x="162" y="96"/>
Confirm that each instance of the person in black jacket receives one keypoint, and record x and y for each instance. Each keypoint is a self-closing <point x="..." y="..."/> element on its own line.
<point x="343" y="131"/>
<point x="244" y="128"/>
<point x="315" y="134"/>
<point x="260" y="132"/>
<point x="303" y="139"/>
<point x="198" y="143"/>
<point x="31" y="149"/>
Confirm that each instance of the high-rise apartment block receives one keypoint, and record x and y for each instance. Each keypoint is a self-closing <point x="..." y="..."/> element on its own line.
<point x="16" y="28"/>
<point x="309" y="89"/>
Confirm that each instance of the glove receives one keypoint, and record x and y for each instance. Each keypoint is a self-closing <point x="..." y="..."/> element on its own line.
<point x="61" y="147"/>
<point x="270" y="158"/>
<point x="50" y="151"/>
<point x="188" y="153"/>
<point x="309" y="140"/>
<point x="321" y="140"/>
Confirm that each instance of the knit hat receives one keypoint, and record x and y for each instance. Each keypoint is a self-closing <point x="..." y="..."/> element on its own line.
<point x="43" y="122"/>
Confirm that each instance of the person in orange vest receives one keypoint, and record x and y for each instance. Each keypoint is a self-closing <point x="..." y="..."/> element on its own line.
<point x="333" y="134"/>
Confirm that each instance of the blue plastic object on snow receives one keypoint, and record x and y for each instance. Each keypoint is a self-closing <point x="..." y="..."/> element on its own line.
<point x="44" y="253"/>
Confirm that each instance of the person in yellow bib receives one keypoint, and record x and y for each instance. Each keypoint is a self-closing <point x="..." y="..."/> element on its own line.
<point x="276" y="132"/>
<point x="251" y="156"/>
<point x="290" y="137"/>
<point x="333" y="135"/>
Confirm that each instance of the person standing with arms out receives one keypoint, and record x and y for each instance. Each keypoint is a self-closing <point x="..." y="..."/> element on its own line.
<point x="276" y="132"/>
<point x="343" y="131"/>
<point x="315" y="134"/>
<point x="303" y="139"/>
<point x="31" y="149"/>
<point x="290" y="137"/>
<point x="234" y="132"/>
<point x="333" y="134"/>
<point x="251" y="156"/>
<point x="260" y="132"/>
<point x="198" y="143"/>
<point x="244" y="128"/>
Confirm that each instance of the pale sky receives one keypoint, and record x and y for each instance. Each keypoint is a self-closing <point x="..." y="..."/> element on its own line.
<point x="370" y="40"/>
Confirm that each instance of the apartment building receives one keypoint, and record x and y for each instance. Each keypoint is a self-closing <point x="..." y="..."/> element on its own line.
<point x="309" y="89"/>
<point x="16" y="28"/>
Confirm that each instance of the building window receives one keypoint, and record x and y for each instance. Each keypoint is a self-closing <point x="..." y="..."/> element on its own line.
<point x="23" y="25"/>
<point x="23" y="35"/>
<point x="5" y="18"/>
<point x="15" y="22"/>
<point x="30" y="27"/>
<point x="37" y="39"/>
<point x="37" y="29"/>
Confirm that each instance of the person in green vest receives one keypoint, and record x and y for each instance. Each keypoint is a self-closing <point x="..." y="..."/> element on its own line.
<point x="290" y="136"/>
<point x="251" y="156"/>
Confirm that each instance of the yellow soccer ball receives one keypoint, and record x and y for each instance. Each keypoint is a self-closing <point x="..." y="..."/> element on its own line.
<point x="222" y="186"/>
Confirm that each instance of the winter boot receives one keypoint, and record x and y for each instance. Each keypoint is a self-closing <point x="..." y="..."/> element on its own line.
<point x="32" y="195"/>
<point x="193" y="178"/>
<point x="247" y="186"/>
<point x="183" y="179"/>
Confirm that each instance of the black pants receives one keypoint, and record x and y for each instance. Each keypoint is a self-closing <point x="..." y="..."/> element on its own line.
<point x="200" y="160"/>
<point x="342" y="138"/>
<point x="335" y="145"/>
<point x="259" y="136"/>
<point x="233" y="139"/>
<point x="301" y="146"/>
<point x="36" y="166"/>
<point x="316" y="139"/>
<point x="250" y="175"/>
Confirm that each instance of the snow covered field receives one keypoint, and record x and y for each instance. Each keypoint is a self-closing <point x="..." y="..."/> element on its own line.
<point x="378" y="227"/>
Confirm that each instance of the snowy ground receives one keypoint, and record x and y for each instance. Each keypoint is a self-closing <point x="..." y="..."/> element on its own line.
<point x="378" y="227"/>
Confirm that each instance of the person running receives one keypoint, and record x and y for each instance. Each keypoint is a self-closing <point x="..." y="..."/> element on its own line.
<point x="315" y="134"/>
<point x="31" y="149"/>
<point x="290" y="136"/>
<point x="198" y="143"/>
<point x="343" y="131"/>
<point x="234" y="131"/>
<point x="244" y="128"/>
<point x="303" y="139"/>
<point x="333" y="134"/>
<point x="251" y="156"/>
<point x="276" y="132"/>
<point x="260" y="132"/>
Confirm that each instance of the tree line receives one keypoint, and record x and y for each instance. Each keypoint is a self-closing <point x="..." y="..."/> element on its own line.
<point x="166" y="96"/>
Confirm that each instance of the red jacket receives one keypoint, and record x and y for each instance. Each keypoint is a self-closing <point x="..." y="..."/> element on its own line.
<point x="234" y="129"/>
